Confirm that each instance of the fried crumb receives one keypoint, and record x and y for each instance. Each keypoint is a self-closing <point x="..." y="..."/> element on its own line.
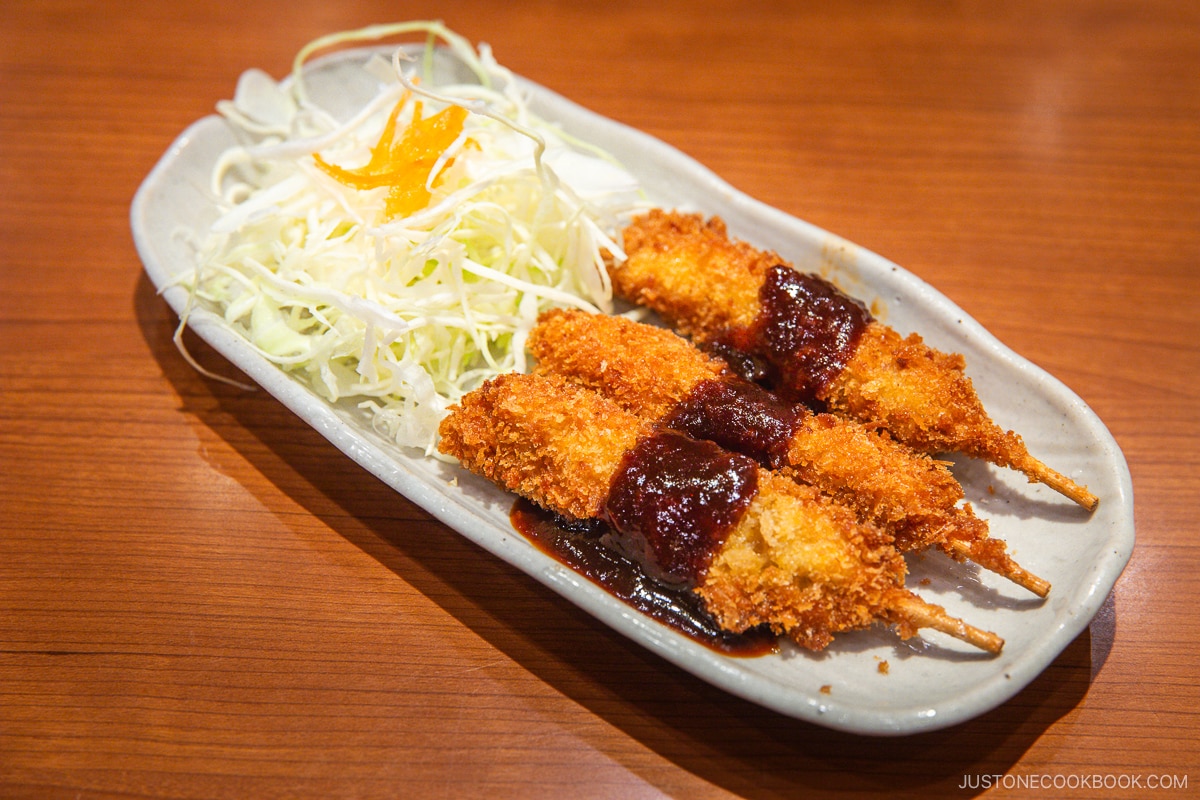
<point x="654" y="373"/>
<point x="826" y="689"/>
<point x="925" y="581"/>
<point x="883" y="668"/>
<point x="707" y="285"/>
<point x="561" y="445"/>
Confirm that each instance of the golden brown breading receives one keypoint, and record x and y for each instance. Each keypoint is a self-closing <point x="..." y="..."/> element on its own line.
<point x="802" y="565"/>
<point x="913" y="497"/>
<point x="649" y="371"/>
<point x="904" y="491"/>
<point x="706" y="285"/>
<point x="794" y="560"/>
<point x="643" y="368"/>
<point x="689" y="270"/>
<point x="542" y="440"/>
<point x="921" y="396"/>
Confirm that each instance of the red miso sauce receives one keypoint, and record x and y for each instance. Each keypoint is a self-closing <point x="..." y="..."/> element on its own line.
<point x="740" y="416"/>
<point x="680" y="497"/>
<point x="807" y="330"/>
<point x="578" y="544"/>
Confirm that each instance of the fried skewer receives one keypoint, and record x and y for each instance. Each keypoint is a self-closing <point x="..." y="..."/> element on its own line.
<point x="758" y="548"/>
<point x="655" y="374"/>
<point x="823" y="345"/>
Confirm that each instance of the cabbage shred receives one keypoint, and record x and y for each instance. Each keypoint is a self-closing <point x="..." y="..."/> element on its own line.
<point x="402" y="306"/>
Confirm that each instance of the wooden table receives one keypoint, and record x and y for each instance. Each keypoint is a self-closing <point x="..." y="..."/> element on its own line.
<point x="200" y="597"/>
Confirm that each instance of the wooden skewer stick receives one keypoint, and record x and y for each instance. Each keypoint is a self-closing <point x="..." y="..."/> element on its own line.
<point x="910" y="609"/>
<point x="1040" y="473"/>
<point x="1001" y="564"/>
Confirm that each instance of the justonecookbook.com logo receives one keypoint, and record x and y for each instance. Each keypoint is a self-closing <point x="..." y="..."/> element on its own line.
<point x="1083" y="780"/>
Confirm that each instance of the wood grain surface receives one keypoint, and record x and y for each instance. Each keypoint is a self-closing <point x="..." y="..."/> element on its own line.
<point x="200" y="597"/>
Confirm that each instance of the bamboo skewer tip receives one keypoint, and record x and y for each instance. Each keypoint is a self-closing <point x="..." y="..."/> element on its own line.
<point x="1004" y="567"/>
<point x="1040" y="473"/>
<point x="910" y="609"/>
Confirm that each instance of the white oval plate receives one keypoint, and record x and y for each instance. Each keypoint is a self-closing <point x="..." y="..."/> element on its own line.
<point x="932" y="681"/>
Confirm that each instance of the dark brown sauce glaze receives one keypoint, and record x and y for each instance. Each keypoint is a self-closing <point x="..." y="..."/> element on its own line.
<point x="740" y="360"/>
<point x="808" y="330"/>
<point x="740" y="416"/>
<point x="679" y="497"/>
<point x="579" y="545"/>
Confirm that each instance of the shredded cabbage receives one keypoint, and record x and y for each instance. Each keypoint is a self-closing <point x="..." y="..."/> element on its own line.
<point x="399" y="258"/>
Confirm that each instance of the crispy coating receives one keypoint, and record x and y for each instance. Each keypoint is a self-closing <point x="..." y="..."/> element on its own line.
<point x="909" y="495"/>
<point x="802" y="565"/>
<point x="543" y="440"/>
<point x="921" y="396"/>
<point x="650" y="370"/>
<point x="689" y="271"/>
<point x="795" y="560"/>
<point x="905" y="492"/>
<point x="706" y="286"/>
<point x="645" y="369"/>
